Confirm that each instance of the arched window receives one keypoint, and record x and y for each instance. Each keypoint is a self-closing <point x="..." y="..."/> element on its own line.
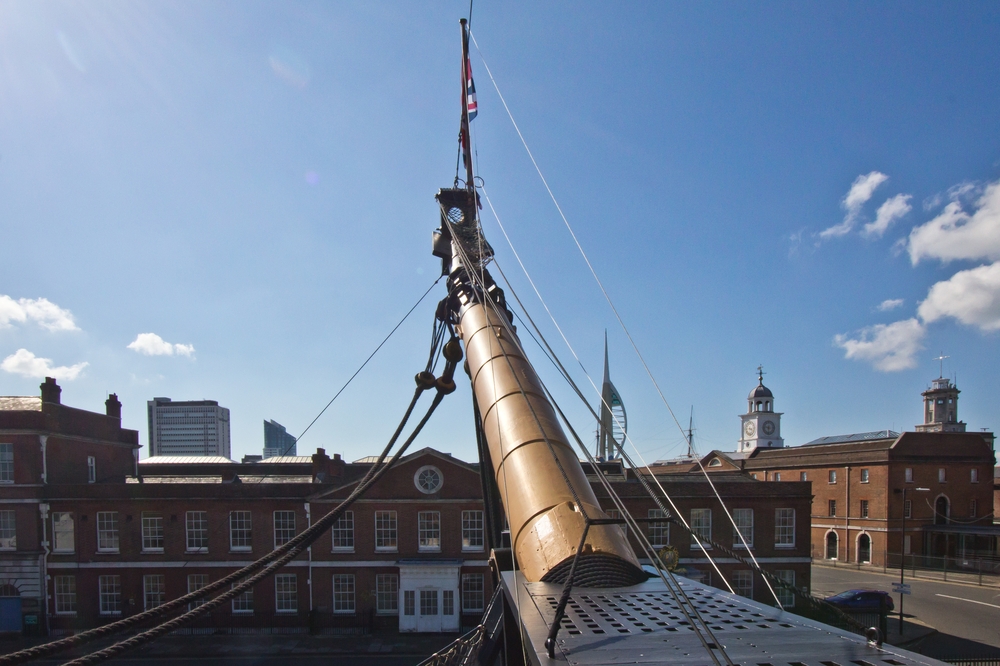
<point x="831" y="545"/>
<point x="767" y="405"/>
<point x="941" y="511"/>
<point x="864" y="549"/>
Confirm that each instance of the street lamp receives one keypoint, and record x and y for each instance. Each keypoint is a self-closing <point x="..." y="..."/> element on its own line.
<point x="902" y="554"/>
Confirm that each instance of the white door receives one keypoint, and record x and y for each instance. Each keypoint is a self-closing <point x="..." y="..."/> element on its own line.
<point x="429" y="610"/>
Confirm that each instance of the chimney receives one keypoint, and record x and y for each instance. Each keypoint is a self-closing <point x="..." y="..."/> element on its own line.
<point x="337" y="466"/>
<point x="320" y="466"/>
<point x="113" y="407"/>
<point x="50" y="391"/>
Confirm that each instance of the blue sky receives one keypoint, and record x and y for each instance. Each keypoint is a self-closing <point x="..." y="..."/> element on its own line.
<point x="808" y="187"/>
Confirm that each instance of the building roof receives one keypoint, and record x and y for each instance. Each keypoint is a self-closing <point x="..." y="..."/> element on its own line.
<point x="286" y="459"/>
<point x="186" y="460"/>
<point x="855" y="437"/>
<point x="760" y="391"/>
<point x="20" y="403"/>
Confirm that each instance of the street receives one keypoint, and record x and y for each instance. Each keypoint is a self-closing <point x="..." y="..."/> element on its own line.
<point x="968" y="613"/>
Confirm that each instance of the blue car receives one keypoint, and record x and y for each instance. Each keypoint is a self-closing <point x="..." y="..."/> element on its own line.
<point x="861" y="600"/>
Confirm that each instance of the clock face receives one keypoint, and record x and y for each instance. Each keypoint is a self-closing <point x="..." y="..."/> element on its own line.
<point x="749" y="428"/>
<point x="768" y="427"/>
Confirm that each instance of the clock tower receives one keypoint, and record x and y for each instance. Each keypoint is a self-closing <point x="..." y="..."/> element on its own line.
<point x="761" y="424"/>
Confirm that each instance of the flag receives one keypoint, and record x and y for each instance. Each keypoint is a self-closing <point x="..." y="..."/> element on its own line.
<point x="470" y="91"/>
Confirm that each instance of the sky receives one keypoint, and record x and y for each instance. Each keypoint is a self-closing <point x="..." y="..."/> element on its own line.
<point x="234" y="201"/>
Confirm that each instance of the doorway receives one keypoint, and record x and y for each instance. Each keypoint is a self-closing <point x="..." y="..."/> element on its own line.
<point x="831" y="545"/>
<point x="864" y="549"/>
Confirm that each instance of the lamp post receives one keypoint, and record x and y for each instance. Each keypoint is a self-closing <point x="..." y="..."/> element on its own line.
<point x="902" y="554"/>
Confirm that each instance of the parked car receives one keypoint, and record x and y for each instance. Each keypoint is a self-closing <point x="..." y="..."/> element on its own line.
<point x="861" y="600"/>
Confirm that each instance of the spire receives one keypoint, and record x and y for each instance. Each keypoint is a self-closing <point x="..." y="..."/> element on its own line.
<point x="607" y="373"/>
<point x="611" y="436"/>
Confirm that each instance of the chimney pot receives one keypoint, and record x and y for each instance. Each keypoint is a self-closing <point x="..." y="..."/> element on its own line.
<point x="50" y="390"/>
<point x="113" y="406"/>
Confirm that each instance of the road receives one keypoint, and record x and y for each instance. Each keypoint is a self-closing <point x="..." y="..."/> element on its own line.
<point x="965" y="611"/>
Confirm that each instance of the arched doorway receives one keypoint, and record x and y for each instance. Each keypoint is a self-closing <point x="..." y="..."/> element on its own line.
<point x="10" y="608"/>
<point x="831" y="545"/>
<point x="864" y="549"/>
<point x="941" y="511"/>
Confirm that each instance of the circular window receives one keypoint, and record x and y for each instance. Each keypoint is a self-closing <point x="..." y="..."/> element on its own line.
<point x="428" y="479"/>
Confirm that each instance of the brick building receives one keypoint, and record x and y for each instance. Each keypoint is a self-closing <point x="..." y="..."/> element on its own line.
<point x="88" y="533"/>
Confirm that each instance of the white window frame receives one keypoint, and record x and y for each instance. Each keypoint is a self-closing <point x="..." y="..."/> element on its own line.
<point x="152" y="532"/>
<point x="154" y="591"/>
<point x="743" y="582"/>
<point x="785" y="596"/>
<point x="284" y="527"/>
<point x="196" y="531"/>
<point x="803" y="476"/>
<point x="473" y="531"/>
<point x="342" y="534"/>
<point x="658" y="530"/>
<point x="91" y="469"/>
<point x="701" y="526"/>
<point x="64" y="589"/>
<point x="343" y="594"/>
<point x="63" y="528"/>
<point x="473" y="593"/>
<point x="447" y="602"/>
<point x="109" y="592"/>
<point x="616" y="514"/>
<point x="863" y="508"/>
<point x="108" y="538"/>
<point x="242" y="603"/>
<point x="831" y="476"/>
<point x="429" y="531"/>
<point x="387" y="594"/>
<point x="194" y="583"/>
<point x="286" y="593"/>
<point x="6" y="462"/>
<point x="409" y="602"/>
<point x="743" y="519"/>
<point x="386" y="532"/>
<point x="784" y="528"/>
<point x="8" y="529"/>
<point x="429" y="603"/>
<point x="864" y="475"/>
<point x="240" y="531"/>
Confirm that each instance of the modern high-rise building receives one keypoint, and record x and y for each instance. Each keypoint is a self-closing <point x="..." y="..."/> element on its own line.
<point x="277" y="440"/>
<point x="188" y="428"/>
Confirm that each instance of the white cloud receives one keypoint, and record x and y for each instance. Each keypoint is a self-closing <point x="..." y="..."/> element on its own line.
<point x="151" y="344"/>
<point x="888" y="347"/>
<point x="24" y="363"/>
<point x="955" y="234"/>
<point x="972" y="297"/>
<point x="890" y="211"/>
<point x="890" y="304"/>
<point x="42" y="311"/>
<point x="861" y="191"/>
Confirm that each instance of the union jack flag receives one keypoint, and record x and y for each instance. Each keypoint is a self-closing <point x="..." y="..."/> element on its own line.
<point x="470" y="91"/>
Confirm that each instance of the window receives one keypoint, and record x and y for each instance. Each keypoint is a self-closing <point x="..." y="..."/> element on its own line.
<point x="343" y="593"/>
<point x="447" y="602"/>
<point x="803" y="476"/>
<point x="616" y="515"/>
<point x="744" y="523"/>
<point x="864" y="508"/>
<point x="91" y="469"/>
<point x="6" y="463"/>
<point x="195" y="583"/>
<point x="8" y="530"/>
<point x="110" y="594"/>
<point x="864" y="476"/>
<point x="428" y="602"/>
<point x="777" y="476"/>
<point x="107" y="531"/>
<point x="743" y="583"/>
<point x="908" y="509"/>
<point x="152" y="533"/>
<point x="906" y="544"/>
<point x="240" y="531"/>
<point x="429" y="530"/>
<point x="153" y="591"/>
<point x="473" y="593"/>
<point x="974" y="475"/>
<point x="973" y="508"/>
<point x="784" y="528"/>
<point x="472" y="530"/>
<point x="284" y="527"/>
<point x="833" y="476"/>
<point x="428" y="479"/>
<point x="701" y="526"/>
<point x="409" y="602"/>
<point x="385" y="530"/>
<point x="343" y="532"/>
<point x="65" y="587"/>
<point x="243" y="603"/>
<point x="659" y="532"/>
<point x="831" y="508"/>
<point x="753" y="476"/>
<point x="196" y="531"/>
<point x="387" y="594"/>
<point x="286" y="593"/>
<point x="942" y="476"/>
<point x="908" y="474"/>
<point x="785" y="595"/>
<point x="62" y="532"/>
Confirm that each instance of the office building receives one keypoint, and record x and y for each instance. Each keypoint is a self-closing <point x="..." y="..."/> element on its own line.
<point x="277" y="441"/>
<point x="188" y="428"/>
